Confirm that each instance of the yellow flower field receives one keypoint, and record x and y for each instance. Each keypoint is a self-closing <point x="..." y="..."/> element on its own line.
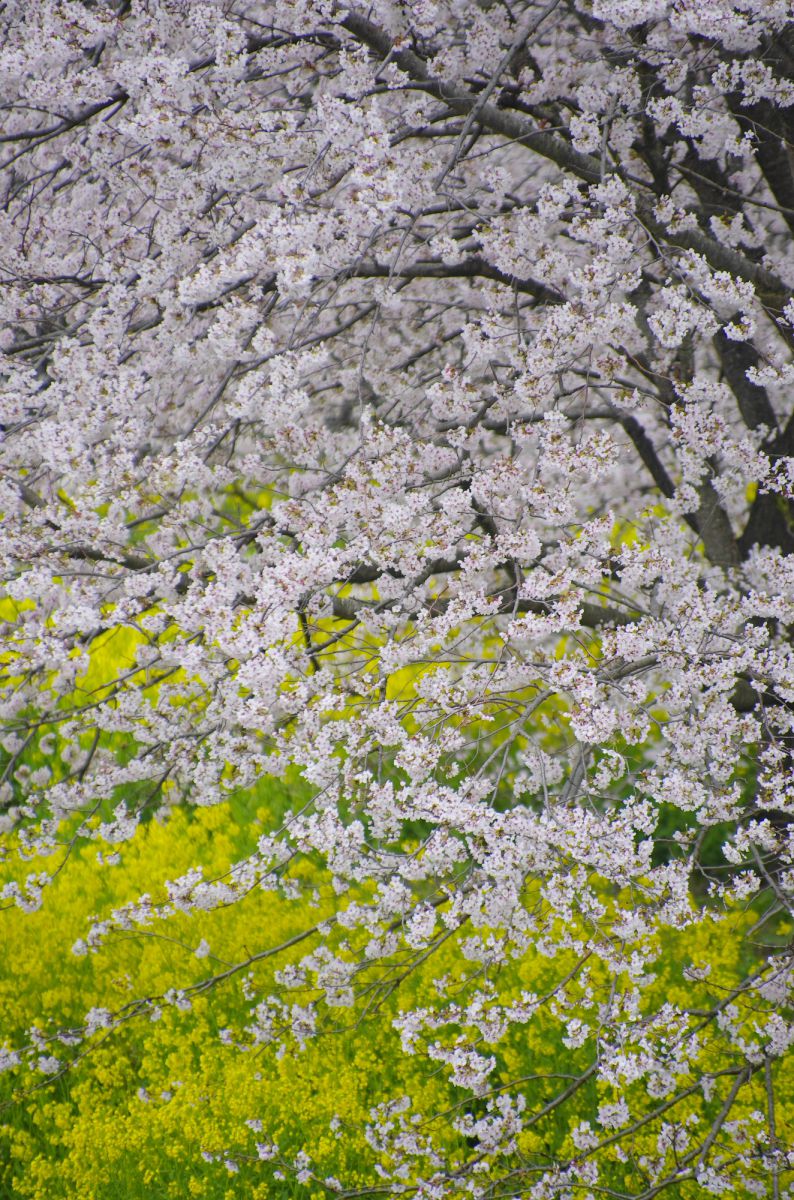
<point x="159" y="1107"/>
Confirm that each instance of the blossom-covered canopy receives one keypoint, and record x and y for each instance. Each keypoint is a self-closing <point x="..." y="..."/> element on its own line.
<point x="399" y="398"/>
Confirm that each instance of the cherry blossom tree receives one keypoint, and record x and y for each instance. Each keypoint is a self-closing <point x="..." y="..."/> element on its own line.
<point x="399" y="397"/>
